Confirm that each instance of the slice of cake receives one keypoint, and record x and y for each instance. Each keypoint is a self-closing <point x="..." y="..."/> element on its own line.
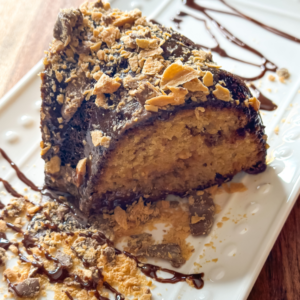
<point x="133" y="109"/>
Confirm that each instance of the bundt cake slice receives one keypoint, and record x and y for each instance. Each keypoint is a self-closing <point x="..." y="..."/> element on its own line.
<point x="133" y="109"/>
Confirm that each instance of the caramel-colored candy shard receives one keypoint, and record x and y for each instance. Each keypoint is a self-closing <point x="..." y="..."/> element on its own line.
<point x="147" y="43"/>
<point x="162" y="100"/>
<point x="53" y="165"/>
<point x="151" y="108"/>
<point x="222" y="93"/>
<point x="81" y="171"/>
<point x="106" y="85"/>
<point x="152" y="66"/>
<point x="99" y="140"/>
<point x="196" y="85"/>
<point x="110" y="35"/>
<point x="177" y="74"/>
<point x="178" y="93"/>
<point x="255" y="103"/>
<point x="177" y="97"/>
<point x="208" y="79"/>
<point x="150" y="53"/>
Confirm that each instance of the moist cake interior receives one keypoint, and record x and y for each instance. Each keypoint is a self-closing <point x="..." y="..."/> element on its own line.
<point x="187" y="151"/>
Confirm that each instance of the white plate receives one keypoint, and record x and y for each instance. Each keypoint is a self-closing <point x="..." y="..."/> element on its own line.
<point x="243" y="242"/>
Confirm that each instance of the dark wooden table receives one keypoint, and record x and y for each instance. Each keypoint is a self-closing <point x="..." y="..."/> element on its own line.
<point x="25" y="32"/>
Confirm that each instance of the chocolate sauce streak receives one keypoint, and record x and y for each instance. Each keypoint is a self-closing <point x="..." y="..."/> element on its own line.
<point x="1" y="205"/>
<point x="20" y="175"/>
<point x="118" y="296"/>
<point x="222" y="52"/>
<point x="99" y="297"/>
<point x="56" y="276"/>
<point x="4" y="242"/>
<point x="266" y="27"/>
<point x="266" y="65"/>
<point x="151" y="271"/>
<point x="14" y="228"/>
<point x="228" y="35"/>
<point x="69" y="296"/>
<point x="61" y="273"/>
<point x="148" y="269"/>
<point x="12" y="287"/>
<point x="10" y="189"/>
<point x="50" y="226"/>
<point x="265" y="103"/>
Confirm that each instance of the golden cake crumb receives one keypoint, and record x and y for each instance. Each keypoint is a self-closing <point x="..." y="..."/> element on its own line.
<point x="271" y="77"/>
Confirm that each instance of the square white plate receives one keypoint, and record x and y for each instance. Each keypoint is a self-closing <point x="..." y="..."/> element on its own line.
<point x="256" y="216"/>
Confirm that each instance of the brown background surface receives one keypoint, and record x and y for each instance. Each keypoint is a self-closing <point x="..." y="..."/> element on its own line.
<point x="25" y="32"/>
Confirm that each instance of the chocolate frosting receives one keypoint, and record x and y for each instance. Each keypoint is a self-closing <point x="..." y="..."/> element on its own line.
<point x="67" y="138"/>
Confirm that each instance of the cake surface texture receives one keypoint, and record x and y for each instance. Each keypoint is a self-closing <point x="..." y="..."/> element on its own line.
<point x="133" y="109"/>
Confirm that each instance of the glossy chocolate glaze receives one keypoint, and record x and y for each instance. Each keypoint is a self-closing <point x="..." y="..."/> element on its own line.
<point x="69" y="296"/>
<point x="151" y="271"/>
<point x="265" y="102"/>
<point x="107" y="123"/>
<point x="14" y="228"/>
<point x="4" y="242"/>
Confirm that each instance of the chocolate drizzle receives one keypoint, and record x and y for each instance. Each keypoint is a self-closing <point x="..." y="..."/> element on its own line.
<point x="266" y="64"/>
<point x="266" y="103"/>
<point x="14" y="228"/>
<point x="269" y="28"/>
<point x="118" y="296"/>
<point x="20" y="175"/>
<point x="10" y="189"/>
<point x="51" y="226"/>
<point x="4" y="242"/>
<point x="99" y="297"/>
<point x="12" y="287"/>
<point x="151" y="271"/>
<point x="1" y="205"/>
<point x="68" y="295"/>
<point x="148" y="269"/>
